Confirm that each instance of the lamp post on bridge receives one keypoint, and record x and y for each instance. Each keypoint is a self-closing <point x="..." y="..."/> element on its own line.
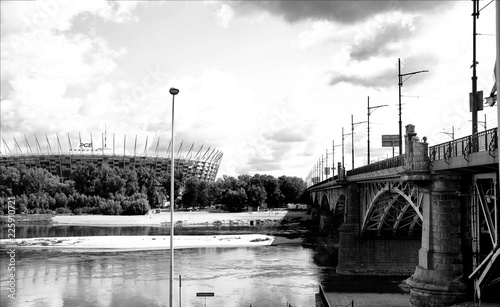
<point x="400" y="84"/>
<point x="343" y="138"/>
<point x="173" y="92"/>
<point x="333" y="157"/>
<point x="452" y="133"/>
<point x="353" y="125"/>
<point x="370" y="112"/>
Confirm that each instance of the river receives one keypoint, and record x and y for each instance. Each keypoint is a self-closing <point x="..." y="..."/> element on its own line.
<point x="259" y="276"/>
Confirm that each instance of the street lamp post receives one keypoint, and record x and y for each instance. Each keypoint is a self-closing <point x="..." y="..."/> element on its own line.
<point x="451" y="134"/>
<point x="173" y="92"/>
<point x="400" y="83"/>
<point x="343" y="138"/>
<point x="370" y="112"/>
<point x="353" y="124"/>
<point x="333" y="158"/>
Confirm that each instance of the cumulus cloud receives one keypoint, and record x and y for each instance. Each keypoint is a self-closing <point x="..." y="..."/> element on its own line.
<point x="224" y="14"/>
<point x="320" y="32"/>
<point x="42" y="59"/>
<point x="381" y="36"/>
<point x="43" y="15"/>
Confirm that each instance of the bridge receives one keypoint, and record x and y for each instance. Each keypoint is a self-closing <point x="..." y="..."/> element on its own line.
<point x="431" y="213"/>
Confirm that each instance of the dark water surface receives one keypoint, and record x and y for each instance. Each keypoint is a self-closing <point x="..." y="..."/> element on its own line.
<point x="257" y="276"/>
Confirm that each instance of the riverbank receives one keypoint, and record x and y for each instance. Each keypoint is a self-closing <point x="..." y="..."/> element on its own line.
<point x="190" y="219"/>
<point x="181" y="218"/>
<point x="125" y="243"/>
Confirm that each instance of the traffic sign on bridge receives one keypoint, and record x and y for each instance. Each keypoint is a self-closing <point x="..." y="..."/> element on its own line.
<point x="390" y="140"/>
<point x="205" y="294"/>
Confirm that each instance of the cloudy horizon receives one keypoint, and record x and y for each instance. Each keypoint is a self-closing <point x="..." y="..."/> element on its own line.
<point x="270" y="84"/>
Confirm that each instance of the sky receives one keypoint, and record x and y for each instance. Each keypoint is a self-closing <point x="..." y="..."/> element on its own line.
<point x="270" y="84"/>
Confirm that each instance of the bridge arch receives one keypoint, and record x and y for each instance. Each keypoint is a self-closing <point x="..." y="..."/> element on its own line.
<point x="394" y="206"/>
<point x="339" y="205"/>
<point x="325" y="204"/>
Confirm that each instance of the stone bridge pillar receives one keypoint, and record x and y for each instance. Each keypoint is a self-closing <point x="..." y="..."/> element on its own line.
<point x="349" y="251"/>
<point x="437" y="278"/>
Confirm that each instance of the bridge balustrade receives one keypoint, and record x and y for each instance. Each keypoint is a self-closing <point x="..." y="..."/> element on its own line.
<point x="481" y="141"/>
<point x="377" y="166"/>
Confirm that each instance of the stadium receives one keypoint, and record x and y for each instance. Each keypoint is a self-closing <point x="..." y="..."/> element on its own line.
<point x="61" y="155"/>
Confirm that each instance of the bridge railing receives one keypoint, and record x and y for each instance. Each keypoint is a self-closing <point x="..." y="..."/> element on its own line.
<point x="380" y="165"/>
<point x="481" y="141"/>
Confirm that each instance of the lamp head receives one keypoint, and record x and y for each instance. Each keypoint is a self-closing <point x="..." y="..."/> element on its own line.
<point x="173" y="91"/>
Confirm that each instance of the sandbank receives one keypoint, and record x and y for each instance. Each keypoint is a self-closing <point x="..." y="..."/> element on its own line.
<point x="180" y="219"/>
<point x="124" y="243"/>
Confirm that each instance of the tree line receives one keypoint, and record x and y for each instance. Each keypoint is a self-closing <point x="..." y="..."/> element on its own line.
<point x="93" y="189"/>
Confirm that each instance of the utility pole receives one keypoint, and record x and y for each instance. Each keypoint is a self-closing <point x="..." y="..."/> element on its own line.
<point x="333" y="157"/>
<point x="321" y="167"/>
<point x="326" y="165"/>
<point x="483" y="123"/>
<point x="371" y="108"/>
<point x="452" y="133"/>
<point x="400" y="83"/>
<point x="343" y="137"/>
<point x="474" y="102"/>
<point x="353" y="124"/>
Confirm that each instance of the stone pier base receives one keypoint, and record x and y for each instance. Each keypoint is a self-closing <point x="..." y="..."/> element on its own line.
<point x="437" y="280"/>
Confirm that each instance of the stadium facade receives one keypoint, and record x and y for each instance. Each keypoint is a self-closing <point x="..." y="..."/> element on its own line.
<point x="192" y="161"/>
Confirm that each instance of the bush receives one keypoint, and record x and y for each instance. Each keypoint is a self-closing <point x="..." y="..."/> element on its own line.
<point x="111" y="207"/>
<point x="135" y="206"/>
<point x="63" y="210"/>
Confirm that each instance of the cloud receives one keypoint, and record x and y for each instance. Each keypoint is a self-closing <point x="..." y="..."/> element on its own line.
<point x="321" y="31"/>
<point x="381" y="36"/>
<point x="383" y="78"/>
<point x="224" y="13"/>
<point x="288" y="135"/>
<point x="42" y="60"/>
<point x="345" y="12"/>
<point x="382" y="72"/>
<point x="59" y="15"/>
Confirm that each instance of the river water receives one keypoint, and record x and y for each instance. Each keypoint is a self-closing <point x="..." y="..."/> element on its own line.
<point x="259" y="276"/>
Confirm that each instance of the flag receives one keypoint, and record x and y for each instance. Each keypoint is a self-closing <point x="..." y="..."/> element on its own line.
<point x="494" y="89"/>
<point x="493" y="95"/>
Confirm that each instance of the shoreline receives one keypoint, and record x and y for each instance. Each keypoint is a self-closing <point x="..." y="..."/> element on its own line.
<point x="190" y="219"/>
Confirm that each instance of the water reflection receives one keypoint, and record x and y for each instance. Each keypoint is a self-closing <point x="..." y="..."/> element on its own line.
<point x="38" y="231"/>
<point x="261" y="276"/>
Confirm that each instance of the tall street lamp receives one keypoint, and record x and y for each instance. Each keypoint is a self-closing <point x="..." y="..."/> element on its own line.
<point x="343" y="138"/>
<point x="400" y="83"/>
<point x="353" y="124"/>
<point x="451" y="134"/>
<point x="173" y="92"/>
<point x="333" y="158"/>
<point x="370" y="110"/>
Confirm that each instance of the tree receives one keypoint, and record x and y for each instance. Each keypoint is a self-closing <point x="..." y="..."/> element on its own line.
<point x="9" y="181"/>
<point x="86" y="178"/>
<point x="190" y="194"/>
<point x="292" y="188"/>
<point x="256" y="195"/>
<point x="110" y="182"/>
<point x="274" y="196"/>
<point x="234" y="200"/>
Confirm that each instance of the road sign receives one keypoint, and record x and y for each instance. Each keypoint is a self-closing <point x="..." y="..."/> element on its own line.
<point x="205" y="294"/>
<point x="390" y="140"/>
<point x="478" y="103"/>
